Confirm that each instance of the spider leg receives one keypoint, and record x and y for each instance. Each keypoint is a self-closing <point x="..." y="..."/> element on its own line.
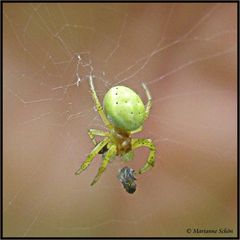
<point x="90" y="156"/>
<point x="98" y="104"/>
<point x="93" y="132"/>
<point x="141" y="142"/>
<point x="149" y="97"/>
<point x="111" y="152"/>
<point x="137" y="130"/>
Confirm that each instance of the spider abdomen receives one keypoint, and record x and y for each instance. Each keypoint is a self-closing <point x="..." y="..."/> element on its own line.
<point x="124" y="108"/>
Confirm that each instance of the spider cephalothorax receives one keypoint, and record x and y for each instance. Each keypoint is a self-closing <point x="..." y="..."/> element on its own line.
<point x="123" y="113"/>
<point x="122" y="140"/>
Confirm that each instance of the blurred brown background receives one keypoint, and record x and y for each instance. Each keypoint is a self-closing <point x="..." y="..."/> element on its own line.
<point x="185" y="53"/>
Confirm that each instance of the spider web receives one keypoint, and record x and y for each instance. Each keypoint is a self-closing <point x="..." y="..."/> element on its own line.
<point x="184" y="53"/>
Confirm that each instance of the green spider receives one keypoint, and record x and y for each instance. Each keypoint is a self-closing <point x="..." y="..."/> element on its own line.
<point x="123" y="113"/>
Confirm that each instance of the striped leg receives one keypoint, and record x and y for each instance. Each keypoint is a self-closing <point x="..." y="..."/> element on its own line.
<point x="111" y="152"/>
<point x="98" y="104"/>
<point x="93" y="132"/>
<point x="93" y="153"/>
<point x="140" y="142"/>
<point x="149" y="97"/>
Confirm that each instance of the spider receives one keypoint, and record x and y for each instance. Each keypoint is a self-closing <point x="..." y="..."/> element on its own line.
<point x="123" y="113"/>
